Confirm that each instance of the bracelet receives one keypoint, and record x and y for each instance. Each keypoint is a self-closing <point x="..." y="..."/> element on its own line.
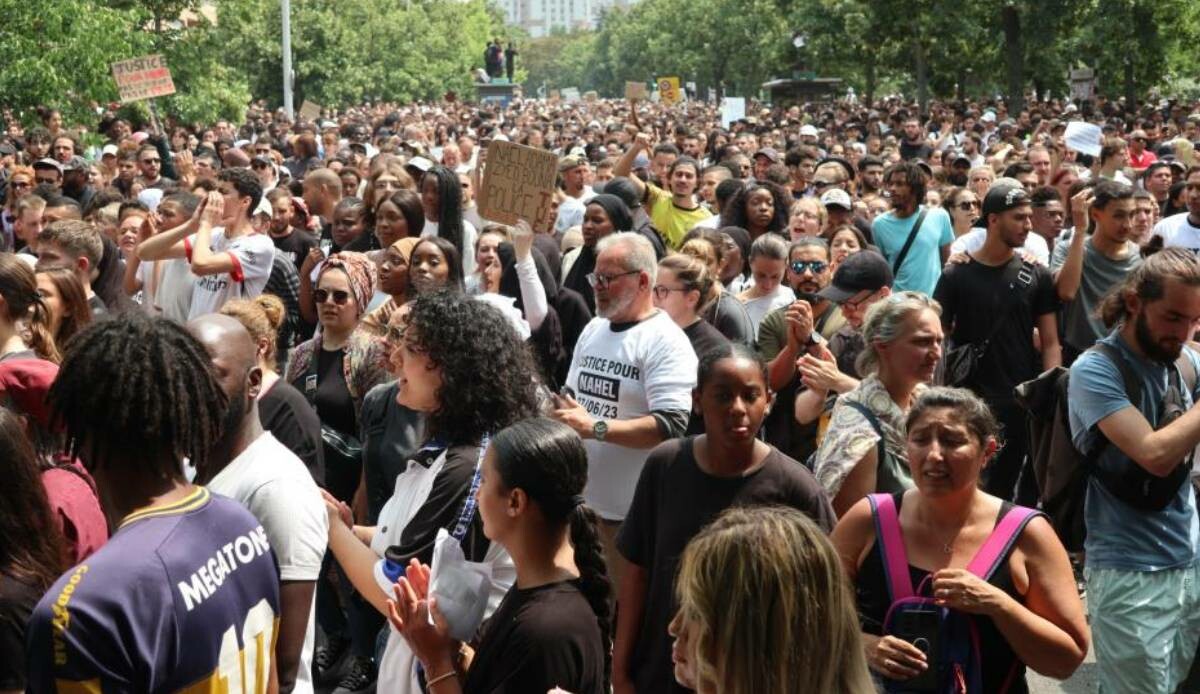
<point x="429" y="683"/>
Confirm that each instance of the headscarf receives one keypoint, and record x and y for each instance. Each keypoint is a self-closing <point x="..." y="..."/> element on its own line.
<point x="361" y="273"/>
<point x="376" y="321"/>
<point x="742" y="238"/>
<point x="585" y="262"/>
<point x="405" y="246"/>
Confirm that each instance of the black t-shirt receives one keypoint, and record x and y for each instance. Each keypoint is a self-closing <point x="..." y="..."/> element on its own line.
<point x="538" y="639"/>
<point x="704" y="337"/>
<point x="979" y="300"/>
<point x="296" y="245"/>
<point x="914" y="150"/>
<point x="673" y="501"/>
<point x="96" y="304"/>
<point x="391" y="434"/>
<point x="285" y="413"/>
<point x="335" y="409"/>
<point x="17" y="600"/>
<point x="729" y="317"/>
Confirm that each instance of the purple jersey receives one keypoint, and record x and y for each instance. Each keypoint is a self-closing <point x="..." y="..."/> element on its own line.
<point x="183" y="597"/>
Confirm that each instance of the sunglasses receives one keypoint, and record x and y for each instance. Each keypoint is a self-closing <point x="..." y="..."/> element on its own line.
<point x="968" y="206"/>
<point x="816" y="266"/>
<point x="340" y="296"/>
<point x="259" y="165"/>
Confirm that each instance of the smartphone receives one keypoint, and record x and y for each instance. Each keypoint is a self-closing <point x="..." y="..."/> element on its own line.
<point x="326" y="246"/>
<point x="921" y="627"/>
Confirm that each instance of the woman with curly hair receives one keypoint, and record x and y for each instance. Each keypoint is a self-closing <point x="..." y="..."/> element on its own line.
<point x="758" y="208"/>
<point x="448" y="340"/>
<point x="553" y="627"/>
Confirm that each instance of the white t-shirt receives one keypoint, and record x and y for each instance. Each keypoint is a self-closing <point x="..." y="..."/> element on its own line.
<point x="252" y="255"/>
<point x="972" y="241"/>
<point x="167" y="293"/>
<point x="270" y="481"/>
<point x="626" y="374"/>
<point x="469" y="236"/>
<point x="758" y="308"/>
<point x="1177" y="232"/>
<point x="570" y="212"/>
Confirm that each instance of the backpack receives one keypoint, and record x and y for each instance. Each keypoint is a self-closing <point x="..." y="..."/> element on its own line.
<point x="949" y="638"/>
<point x="1062" y="470"/>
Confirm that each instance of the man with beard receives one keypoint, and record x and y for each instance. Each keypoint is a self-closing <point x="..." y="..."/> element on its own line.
<point x="1087" y="266"/>
<point x="1141" y="559"/>
<point x="293" y="243"/>
<point x="914" y="145"/>
<point x="250" y="466"/>
<point x="674" y="213"/>
<point x="992" y="304"/>
<point x="630" y="382"/>
<point x="75" y="181"/>
<point x="788" y="333"/>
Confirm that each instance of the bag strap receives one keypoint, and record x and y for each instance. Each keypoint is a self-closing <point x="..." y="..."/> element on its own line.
<point x="881" y="447"/>
<point x="996" y="547"/>
<point x="1012" y="275"/>
<point x="468" y="509"/>
<point x="912" y="236"/>
<point x="1133" y="385"/>
<point x="891" y="545"/>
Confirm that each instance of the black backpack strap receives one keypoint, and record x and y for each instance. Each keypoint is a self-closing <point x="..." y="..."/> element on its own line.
<point x="881" y="447"/>
<point x="1133" y="385"/>
<point x="912" y="236"/>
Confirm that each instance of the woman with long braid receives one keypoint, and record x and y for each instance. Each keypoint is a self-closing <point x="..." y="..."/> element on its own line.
<point x="554" y="626"/>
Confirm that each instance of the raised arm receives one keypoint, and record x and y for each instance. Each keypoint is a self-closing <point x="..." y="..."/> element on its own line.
<point x="624" y="166"/>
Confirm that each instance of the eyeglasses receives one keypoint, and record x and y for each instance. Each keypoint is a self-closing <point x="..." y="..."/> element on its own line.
<point x="968" y="206"/>
<point x="20" y="184"/>
<point x="603" y="281"/>
<point x="820" y="185"/>
<point x="855" y="305"/>
<point x="340" y="297"/>
<point x="661" y="292"/>
<point x="816" y="266"/>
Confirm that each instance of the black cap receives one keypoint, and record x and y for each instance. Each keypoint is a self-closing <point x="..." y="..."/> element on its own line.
<point x="622" y="188"/>
<point x="1004" y="195"/>
<point x="862" y="271"/>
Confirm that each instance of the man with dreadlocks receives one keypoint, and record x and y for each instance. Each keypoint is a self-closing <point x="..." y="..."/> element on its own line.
<point x="185" y="595"/>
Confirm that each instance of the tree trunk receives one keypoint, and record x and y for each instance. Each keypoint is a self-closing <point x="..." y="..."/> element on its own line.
<point x="1130" y="85"/>
<point x="1015" y="55"/>
<point x="922" y="78"/>
<point x="872" y="78"/>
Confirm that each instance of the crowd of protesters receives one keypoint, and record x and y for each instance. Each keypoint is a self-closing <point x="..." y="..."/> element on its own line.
<point x="281" y="410"/>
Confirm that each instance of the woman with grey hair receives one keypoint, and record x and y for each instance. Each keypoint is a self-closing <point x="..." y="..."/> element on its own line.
<point x="863" y="449"/>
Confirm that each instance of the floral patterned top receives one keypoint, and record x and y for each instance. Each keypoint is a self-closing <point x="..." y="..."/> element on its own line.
<point x="851" y="437"/>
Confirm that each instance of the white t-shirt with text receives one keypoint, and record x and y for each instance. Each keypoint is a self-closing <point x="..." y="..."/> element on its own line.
<point x="252" y="255"/>
<point x="1177" y="232"/>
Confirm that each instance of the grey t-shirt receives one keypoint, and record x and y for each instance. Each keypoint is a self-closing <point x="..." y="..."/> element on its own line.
<point x="1100" y="274"/>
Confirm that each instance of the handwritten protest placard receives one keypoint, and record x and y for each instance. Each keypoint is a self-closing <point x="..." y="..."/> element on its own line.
<point x="310" y="110"/>
<point x="635" y="90"/>
<point x="518" y="183"/>
<point x="143" y="78"/>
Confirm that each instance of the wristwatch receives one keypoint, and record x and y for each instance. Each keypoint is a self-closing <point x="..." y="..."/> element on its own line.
<point x="600" y="430"/>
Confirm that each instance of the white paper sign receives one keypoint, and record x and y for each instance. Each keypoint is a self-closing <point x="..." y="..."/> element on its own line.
<point x="732" y="108"/>
<point x="1084" y="138"/>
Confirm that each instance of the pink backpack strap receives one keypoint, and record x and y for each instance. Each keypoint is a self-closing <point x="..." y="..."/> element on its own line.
<point x="996" y="547"/>
<point x="891" y="545"/>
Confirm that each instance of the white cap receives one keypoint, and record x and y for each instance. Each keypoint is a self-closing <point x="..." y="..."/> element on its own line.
<point x="264" y="207"/>
<point x="420" y="164"/>
<point x="988" y="117"/>
<point x="150" y="197"/>
<point x="808" y="131"/>
<point x="838" y="197"/>
<point x="108" y="149"/>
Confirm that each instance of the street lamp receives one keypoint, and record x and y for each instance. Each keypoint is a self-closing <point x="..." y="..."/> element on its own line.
<point x="285" y="8"/>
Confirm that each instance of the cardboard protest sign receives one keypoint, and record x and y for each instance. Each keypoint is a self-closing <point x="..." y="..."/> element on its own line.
<point x="518" y="183"/>
<point x="570" y="94"/>
<point x="732" y="108"/>
<point x="635" y="90"/>
<point x="310" y="110"/>
<point x="668" y="89"/>
<point x="554" y="95"/>
<point x="142" y="78"/>
<point x="591" y="97"/>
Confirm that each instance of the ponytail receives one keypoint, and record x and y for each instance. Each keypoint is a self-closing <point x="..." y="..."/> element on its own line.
<point x="41" y="339"/>
<point x="593" y="577"/>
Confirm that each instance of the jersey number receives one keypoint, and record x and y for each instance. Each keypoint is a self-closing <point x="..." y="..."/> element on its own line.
<point x="249" y="669"/>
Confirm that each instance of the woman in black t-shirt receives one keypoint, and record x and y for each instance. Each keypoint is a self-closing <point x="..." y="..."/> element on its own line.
<point x="553" y="627"/>
<point x="683" y="285"/>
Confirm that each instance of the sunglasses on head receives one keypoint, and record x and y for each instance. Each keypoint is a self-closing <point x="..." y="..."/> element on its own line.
<point x="816" y="266"/>
<point x="340" y="296"/>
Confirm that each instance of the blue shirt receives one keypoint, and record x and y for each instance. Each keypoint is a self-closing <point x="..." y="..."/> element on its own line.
<point x="923" y="265"/>
<point x="1118" y="535"/>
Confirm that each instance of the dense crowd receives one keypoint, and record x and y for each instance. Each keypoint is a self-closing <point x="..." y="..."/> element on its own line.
<point x="836" y="397"/>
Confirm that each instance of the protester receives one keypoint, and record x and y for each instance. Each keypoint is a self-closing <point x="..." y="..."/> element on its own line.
<point x="603" y="216"/>
<point x="768" y="266"/>
<point x="66" y="304"/>
<point x="918" y="248"/>
<point x="392" y="284"/>
<point x="553" y="626"/>
<point x="24" y="310"/>
<point x="109" y="617"/>
<point x="862" y="451"/>
<point x="753" y="584"/>
<point x="682" y="286"/>
<point x="1024" y="604"/>
<point x="686" y="483"/>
